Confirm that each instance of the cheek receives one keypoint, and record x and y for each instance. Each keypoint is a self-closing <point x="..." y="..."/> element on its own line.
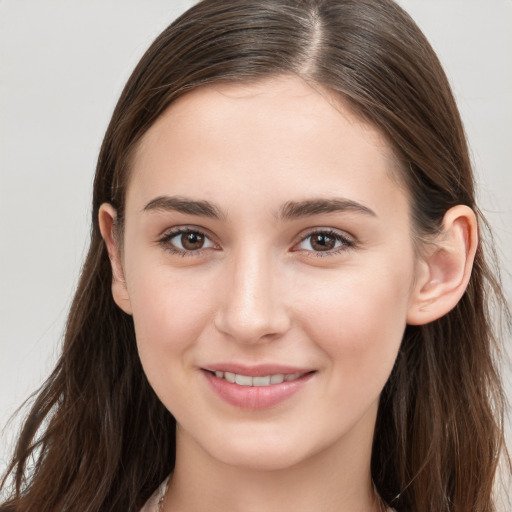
<point x="359" y="320"/>
<point x="169" y="312"/>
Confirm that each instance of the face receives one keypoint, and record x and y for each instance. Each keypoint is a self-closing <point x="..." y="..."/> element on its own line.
<point x="268" y="264"/>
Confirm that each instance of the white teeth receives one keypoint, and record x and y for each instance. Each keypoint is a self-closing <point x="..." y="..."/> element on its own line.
<point x="266" y="380"/>
<point x="261" y="381"/>
<point x="292" y="376"/>
<point x="243" y="380"/>
<point x="277" y="379"/>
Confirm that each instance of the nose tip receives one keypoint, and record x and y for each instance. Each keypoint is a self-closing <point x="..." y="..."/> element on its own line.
<point x="247" y="325"/>
<point x="252" y="309"/>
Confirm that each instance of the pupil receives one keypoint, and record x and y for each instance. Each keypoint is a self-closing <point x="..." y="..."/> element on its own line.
<point x="192" y="241"/>
<point x="323" y="242"/>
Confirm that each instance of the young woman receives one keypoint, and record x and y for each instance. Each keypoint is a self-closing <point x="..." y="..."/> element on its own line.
<point x="285" y="301"/>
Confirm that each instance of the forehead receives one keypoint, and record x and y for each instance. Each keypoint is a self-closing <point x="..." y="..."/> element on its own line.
<point x="283" y="100"/>
<point x="282" y="131"/>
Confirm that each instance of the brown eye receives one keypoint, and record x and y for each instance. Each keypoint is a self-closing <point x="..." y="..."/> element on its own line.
<point x="192" y="241"/>
<point x="322" y="242"/>
<point x="325" y="241"/>
<point x="186" y="241"/>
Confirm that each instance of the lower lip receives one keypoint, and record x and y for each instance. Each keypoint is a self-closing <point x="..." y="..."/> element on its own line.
<point x="255" y="397"/>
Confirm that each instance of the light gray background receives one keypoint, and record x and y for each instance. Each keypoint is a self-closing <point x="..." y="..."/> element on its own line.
<point x="63" y="65"/>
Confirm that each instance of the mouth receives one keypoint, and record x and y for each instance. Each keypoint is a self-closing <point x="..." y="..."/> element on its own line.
<point x="257" y="388"/>
<point x="263" y="380"/>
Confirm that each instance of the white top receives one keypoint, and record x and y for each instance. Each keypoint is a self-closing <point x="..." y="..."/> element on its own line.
<point x="152" y="505"/>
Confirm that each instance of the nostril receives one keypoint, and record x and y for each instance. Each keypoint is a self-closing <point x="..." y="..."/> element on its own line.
<point x="251" y="325"/>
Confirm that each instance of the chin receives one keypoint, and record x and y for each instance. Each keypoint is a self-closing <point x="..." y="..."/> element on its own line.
<point x="261" y="460"/>
<point x="260" y="454"/>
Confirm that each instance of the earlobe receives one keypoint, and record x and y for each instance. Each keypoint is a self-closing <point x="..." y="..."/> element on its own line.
<point x="445" y="269"/>
<point x="106" y="218"/>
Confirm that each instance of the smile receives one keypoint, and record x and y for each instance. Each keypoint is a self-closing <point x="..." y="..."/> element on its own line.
<point x="267" y="386"/>
<point x="264" y="380"/>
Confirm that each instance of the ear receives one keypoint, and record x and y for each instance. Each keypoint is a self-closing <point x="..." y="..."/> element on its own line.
<point x="106" y="218"/>
<point x="445" y="267"/>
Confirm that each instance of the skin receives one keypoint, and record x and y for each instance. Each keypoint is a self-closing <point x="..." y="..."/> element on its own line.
<point x="259" y="291"/>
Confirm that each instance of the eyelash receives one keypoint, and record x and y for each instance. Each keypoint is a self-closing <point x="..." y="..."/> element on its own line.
<point x="165" y="241"/>
<point x="346" y="243"/>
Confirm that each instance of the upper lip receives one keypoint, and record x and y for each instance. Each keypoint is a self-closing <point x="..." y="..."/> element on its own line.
<point x="259" y="370"/>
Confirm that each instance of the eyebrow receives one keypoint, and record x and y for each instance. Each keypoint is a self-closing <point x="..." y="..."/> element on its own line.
<point x="297" y="209"/>
<point x="184" y="205"/>
<point x="290" y="210"/>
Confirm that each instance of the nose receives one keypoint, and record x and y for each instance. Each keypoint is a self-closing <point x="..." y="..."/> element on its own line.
<point x="252" y="307"/>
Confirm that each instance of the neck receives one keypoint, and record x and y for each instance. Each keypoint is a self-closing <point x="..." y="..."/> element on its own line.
<point x="335" y="479"/>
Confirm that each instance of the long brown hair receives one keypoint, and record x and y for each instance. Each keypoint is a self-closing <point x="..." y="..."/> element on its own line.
<point x="98" y="439"/>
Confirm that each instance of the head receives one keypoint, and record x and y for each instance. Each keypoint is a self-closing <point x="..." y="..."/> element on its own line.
<point x="369" y="64"/>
